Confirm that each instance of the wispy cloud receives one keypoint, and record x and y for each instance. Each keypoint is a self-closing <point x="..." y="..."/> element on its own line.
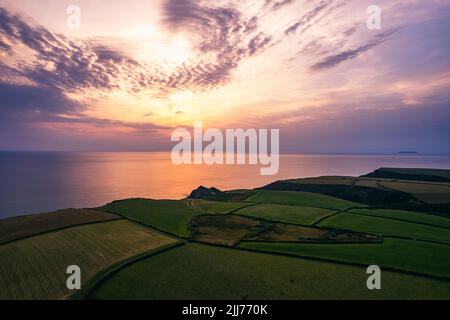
<point x="307" y="17"/>
<point x="335" y="59"/>
<point x="276" y="5"/>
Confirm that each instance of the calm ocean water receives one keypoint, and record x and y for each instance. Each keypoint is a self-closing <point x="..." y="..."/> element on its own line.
<point x="33" y="182"/>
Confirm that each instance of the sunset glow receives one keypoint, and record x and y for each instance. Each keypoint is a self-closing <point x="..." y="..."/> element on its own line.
<point x="136" y="70"/>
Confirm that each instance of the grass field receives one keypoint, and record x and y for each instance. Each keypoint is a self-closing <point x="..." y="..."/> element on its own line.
<point x="422" y="257"/>
<point x="196" y="271"/>
<point x="168" y="215"/>
<point x="427" y="192"/>
<point x="411" y="216"/>
<point x="301" y="199"/>
<point x="217" y="206"/>
<point x="284" y="213"/>
<point x="35" y="268"/>
<point x="386" y="227"/>
<point x="25" y="226"/>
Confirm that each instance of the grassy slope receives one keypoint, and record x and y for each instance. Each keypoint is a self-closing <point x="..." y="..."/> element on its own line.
<point x="196" y="271"/>
<point x="426" y="258"/>
<point x="285" y="213"/>
<point x="301" y="198"/>
<point x="168" y="215"/>
<point x="386" y="227"/>
<point x="35" y="268"/>
<point x="412" y="216"/>
<point x="25" y="226"/>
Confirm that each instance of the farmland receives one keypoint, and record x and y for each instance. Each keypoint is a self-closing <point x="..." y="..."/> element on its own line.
<point x="275" y="242"/>
<point x="25" y="226"/>
<point x="216" y="206"/>
<point x="35" y="268"/>
<point x="387" y="227"/>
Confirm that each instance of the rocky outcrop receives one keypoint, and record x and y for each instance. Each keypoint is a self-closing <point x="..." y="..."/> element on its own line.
<point x="205" y="193"/>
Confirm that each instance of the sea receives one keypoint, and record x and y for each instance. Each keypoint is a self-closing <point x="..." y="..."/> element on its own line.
<point x="35" y="182"/>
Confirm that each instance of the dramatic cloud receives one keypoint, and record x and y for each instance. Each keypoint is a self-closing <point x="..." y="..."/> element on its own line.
<point x="132" y="72"/>
<point x="69" y="66"/>
<point x="61" y="66"/>
<point x="55" y="67"/>
<point x="223" y="33"/>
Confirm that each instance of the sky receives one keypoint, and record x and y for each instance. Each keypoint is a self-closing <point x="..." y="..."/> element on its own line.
<point x="135" y="70"/>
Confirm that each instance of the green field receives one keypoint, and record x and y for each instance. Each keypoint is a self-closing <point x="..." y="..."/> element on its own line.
<point x="217" y="206"/>
<point x="35" y="268"/>
<point x="411" y="216"/>
<point x="197" y="271"/>
<point x="25" y="226"/>
<point x="386" y="227"/>
<point x="168" y="215"/>
<point x="408" y="255"/>
<point x="301" y="199"/>
<point x="284" y="213"/>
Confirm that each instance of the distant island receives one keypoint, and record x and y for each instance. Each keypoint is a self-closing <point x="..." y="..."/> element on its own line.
<point x="306" y="238"/>
<point x="408" y="152"/>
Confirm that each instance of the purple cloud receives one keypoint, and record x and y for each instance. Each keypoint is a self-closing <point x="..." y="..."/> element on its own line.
<point x="335" y="59"/>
